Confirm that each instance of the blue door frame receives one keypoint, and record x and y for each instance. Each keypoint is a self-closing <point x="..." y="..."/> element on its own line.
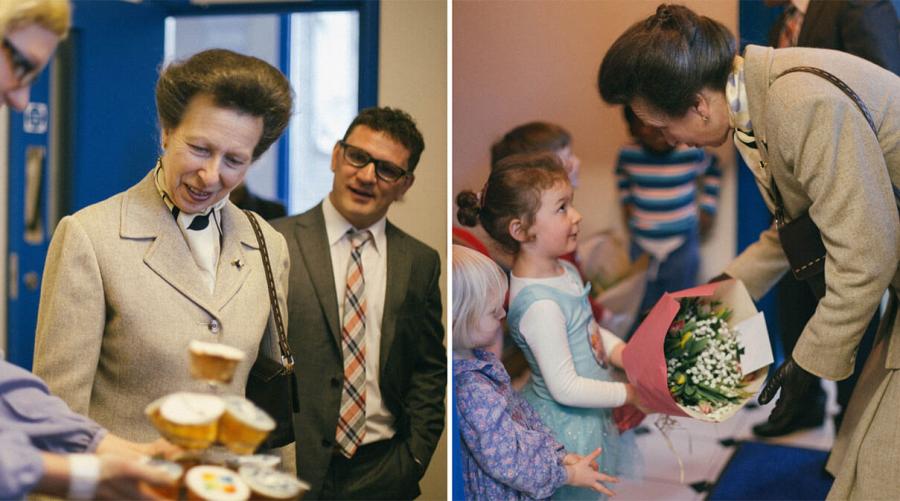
<point x="110" y="127"/>
<point x="753" y="215"/>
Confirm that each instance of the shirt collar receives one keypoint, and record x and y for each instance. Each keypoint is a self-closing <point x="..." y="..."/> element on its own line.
<point x="484" y="362"/>
<point x="800" y="5"/>
<point x="161" y="189"/>
<point x="337" y="226"/>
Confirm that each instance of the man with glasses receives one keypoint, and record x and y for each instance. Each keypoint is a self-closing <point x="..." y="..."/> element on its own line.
<point x="365" y="323"/>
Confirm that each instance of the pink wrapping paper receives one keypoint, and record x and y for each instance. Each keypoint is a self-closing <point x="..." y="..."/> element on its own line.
<point x="643" y="357"/>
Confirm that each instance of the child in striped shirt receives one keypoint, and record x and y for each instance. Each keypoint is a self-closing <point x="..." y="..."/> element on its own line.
<point x="658" y="191"/>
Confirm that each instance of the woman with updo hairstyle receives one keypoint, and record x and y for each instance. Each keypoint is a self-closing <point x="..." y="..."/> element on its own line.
<point x="131" y="281"/>
<point x="820" y="131"/>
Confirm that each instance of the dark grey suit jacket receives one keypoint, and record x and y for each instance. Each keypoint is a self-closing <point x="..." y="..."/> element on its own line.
<point x="413" y="357"/>
<point x="864" y="28"/>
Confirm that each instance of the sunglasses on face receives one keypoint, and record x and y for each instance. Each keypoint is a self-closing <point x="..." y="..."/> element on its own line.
<point x="23" y="69"/>
<point x="384" y="170"/>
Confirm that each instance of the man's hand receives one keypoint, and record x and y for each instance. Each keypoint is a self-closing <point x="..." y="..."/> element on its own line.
<point x="794" y="382"/>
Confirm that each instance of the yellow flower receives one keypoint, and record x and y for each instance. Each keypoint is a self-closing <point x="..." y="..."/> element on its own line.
<point x="680" y="379"/>
<point x="685" y="338"/>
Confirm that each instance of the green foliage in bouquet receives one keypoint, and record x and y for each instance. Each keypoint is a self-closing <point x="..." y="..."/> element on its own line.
<point x="703" y="356"/>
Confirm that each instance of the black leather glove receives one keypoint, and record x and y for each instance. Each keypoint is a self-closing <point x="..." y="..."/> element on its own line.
<point x="794" y="382"/>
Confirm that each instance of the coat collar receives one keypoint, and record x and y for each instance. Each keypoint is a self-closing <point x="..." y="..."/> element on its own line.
<point x="757" y="65"/>
<point x="144" y="215"/>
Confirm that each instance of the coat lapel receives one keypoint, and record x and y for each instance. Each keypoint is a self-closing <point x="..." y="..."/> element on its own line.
<point x="145" y="216"/>
<point x="234" y="267"/>
<point x="398" y="272"/>
<point x="312" y="239"/>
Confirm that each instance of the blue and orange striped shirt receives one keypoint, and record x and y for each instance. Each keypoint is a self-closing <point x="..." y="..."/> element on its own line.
<point x="662" y="189"/>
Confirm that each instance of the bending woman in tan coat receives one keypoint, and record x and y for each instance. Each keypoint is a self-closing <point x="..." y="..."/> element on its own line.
<point x="804" y="138"/>
<point x="132" y="280"/>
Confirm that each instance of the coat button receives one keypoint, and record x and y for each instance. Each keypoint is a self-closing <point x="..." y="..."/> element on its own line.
<point x="214" y="326"/>
<point x="335" y="382"/>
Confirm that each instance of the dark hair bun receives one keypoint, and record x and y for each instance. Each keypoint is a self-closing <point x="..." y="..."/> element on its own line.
<point x="468" y="208"/>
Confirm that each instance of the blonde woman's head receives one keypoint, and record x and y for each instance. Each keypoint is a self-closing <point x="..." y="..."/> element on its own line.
<point x="54" y="15"/>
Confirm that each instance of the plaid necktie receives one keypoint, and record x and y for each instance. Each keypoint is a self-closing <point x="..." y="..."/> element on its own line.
<point x="351" y="427"/>
<point x="790" y="30"/>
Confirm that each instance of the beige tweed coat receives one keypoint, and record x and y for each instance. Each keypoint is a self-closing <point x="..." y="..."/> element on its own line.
<point x="122" y="297"/>
<point x="825" y="159"/>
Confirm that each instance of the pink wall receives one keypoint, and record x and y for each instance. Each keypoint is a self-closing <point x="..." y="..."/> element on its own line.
<point x="515" y="62"/>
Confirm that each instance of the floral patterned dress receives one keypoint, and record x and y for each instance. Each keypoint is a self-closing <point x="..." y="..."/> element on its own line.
<point x="507" y="452"/>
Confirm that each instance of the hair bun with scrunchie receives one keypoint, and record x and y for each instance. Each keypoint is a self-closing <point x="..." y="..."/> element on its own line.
<point x="469" y="208"/>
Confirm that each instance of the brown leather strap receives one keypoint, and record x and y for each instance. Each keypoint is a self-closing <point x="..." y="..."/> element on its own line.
<point x="839" y="84"/>
<point x="287" y="359"/>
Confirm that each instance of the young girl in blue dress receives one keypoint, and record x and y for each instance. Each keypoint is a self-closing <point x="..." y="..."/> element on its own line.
<point x="507" y="452"/>
<point x="526" y="206"/>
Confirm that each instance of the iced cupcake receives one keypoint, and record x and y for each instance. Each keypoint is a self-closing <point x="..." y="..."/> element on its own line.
<point x="174" y="471"/>
<point x="268" y="484"/>
<point x="214" y="361"/>
<point x="243" y="425"/>
<point x="214" y="483"/>
<point x="189" y="420"/>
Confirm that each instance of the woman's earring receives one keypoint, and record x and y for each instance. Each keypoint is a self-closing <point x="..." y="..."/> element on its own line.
<point x="705" y="118"/>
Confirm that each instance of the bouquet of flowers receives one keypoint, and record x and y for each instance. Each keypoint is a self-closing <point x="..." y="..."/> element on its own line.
<point x="701" y="352"/>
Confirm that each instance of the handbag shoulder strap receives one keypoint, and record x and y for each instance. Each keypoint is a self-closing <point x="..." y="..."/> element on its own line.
<point x="839" y="84"/>
<point x="287" y="359"/>
<point x="776" y="195"/>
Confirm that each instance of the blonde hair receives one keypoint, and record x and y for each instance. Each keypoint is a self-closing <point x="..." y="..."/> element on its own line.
<point x="54" y="15"/>
<point x="476" y="279"/>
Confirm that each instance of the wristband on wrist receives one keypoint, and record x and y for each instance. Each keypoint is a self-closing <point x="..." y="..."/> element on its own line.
<point x="84" y="472"/>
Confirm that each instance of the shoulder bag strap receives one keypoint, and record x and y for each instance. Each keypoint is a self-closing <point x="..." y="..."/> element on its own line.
<point x="287" y="359"/>
<point x="776" y="195"/>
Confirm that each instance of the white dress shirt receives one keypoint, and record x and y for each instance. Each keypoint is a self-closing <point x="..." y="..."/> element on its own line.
<point x="379" y="420"/>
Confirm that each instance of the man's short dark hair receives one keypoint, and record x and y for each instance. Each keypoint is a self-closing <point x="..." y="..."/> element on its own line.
<point x="397" y="124"/>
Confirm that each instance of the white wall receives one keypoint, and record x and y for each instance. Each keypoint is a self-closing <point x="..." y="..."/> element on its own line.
<point x="413" y="77"/>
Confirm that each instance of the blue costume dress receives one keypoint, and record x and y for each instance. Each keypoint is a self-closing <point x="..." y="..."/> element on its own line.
<point x="581" y="430"/>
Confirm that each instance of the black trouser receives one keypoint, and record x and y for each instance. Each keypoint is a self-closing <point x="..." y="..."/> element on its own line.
<point x="380" y="470"/>
<point x="796" y="305"/>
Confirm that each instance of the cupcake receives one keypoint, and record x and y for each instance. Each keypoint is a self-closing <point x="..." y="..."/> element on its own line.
<point x="243" y="425"/>
<point x="269" y="484"/>
<point x="189" y="420"/>
<point x="214" y="483"/>
<point x="268" y="461"/>
<point x="214" y="362"/>
<point x="173" y="470"/>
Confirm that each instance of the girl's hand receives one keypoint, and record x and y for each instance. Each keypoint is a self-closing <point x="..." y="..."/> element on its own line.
<point x="631" y="397"/>
<point x="615" y="357"/>
<point x="582" y="474"/>
<point x="571" y="459"/>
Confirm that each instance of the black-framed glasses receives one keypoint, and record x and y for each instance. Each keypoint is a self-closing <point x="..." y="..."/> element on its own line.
<point x="24" y="70"/>
<point x="384" y="170"/>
